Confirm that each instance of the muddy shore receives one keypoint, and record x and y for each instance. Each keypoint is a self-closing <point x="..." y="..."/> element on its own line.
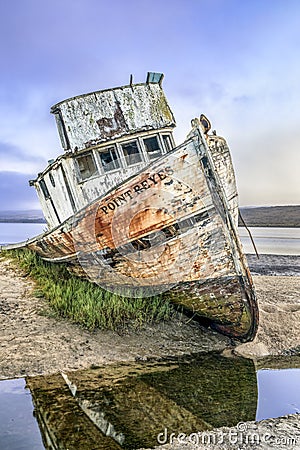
<point x="32" y="342"/>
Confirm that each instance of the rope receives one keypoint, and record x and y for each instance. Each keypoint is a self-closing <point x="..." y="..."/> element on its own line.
<point x="249" y="232"/>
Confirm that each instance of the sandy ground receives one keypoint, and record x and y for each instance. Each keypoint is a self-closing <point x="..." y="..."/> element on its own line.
<point x="32" y="342"/>
<point x="279" y="323"/>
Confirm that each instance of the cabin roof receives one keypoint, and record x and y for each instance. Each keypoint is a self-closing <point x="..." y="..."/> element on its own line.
<point x="87" y="120"/>
<point x="100" y="91"/>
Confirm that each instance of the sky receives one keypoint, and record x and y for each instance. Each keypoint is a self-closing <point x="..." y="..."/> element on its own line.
<point x="237" y="61"/>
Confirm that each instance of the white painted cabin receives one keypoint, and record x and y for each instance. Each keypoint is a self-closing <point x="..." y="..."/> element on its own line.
<point x="107" y="137"/>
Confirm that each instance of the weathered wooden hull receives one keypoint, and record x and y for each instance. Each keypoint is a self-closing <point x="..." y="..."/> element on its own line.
<point x="171" y="229"/>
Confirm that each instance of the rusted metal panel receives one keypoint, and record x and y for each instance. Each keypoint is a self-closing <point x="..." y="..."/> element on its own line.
<point x="100" y="116"/>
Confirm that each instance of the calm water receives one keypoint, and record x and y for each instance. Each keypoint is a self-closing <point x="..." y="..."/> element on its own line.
<point x="18" y="232"/>
<point x="18" y="427"/>
<point x="278" y="393"/>
<point x="278" y="241"/>
<point x="132" y="404"/>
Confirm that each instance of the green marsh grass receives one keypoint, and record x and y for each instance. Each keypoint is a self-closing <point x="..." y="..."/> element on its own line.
<point x="87" y="303"/>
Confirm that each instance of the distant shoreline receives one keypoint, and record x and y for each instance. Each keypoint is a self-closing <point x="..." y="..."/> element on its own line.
<point x="271" y="216"/>
<point x="22" y="221"/>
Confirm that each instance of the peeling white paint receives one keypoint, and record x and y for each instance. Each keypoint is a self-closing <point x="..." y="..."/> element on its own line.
<point x="91" y="122"/>
<point x="97" y="117"/>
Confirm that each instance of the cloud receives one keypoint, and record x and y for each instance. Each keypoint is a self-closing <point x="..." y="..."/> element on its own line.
<point x="267" y="166"/>
<point x="15" y="192"/>
<point x="235" y="61"/>
<point x="28" y="136"/>
<point x="14" y="159"/>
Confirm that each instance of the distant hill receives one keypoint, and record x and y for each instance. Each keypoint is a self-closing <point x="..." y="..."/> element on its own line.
<point x="271" y="216"/>
<point x="29" y="216"/>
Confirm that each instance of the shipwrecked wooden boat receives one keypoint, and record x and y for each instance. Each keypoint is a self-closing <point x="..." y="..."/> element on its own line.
<point x="138" y="215"/>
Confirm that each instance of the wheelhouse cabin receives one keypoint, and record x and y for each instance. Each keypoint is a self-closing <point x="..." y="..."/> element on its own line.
<point x="107" y="136"/>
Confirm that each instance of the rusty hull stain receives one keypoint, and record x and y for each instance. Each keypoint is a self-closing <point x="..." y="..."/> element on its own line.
<point x="216" y="287"/>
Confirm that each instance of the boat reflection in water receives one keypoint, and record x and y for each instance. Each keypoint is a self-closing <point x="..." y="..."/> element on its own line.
<point x="127" y="406"/>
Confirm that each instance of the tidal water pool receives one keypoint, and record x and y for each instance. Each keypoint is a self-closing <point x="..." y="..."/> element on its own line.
<point x="278" y="393"/>
<point x="128" y="406"/>
<point x="19" y="429"/>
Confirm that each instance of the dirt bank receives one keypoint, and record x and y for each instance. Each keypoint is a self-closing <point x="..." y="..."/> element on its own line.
<point x="32" y="342"/>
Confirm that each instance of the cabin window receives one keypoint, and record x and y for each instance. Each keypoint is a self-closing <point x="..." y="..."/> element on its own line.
<point x="131" y="153"/>
<point x="167" y="142"/>
<point x="109" y="159"/>
<point x="152" y="147"/>
<point x="86" y="165"/>
<point x="44" y="188"/>
<point x="52" y="179"/>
